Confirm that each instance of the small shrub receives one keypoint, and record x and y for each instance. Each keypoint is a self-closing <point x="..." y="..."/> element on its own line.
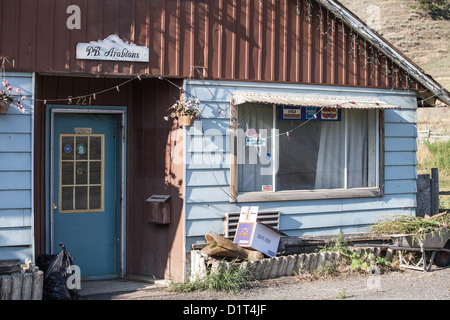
<point x="342" y="294"/>
<point x="438" y="9"/>
<point x="336" y="244"/>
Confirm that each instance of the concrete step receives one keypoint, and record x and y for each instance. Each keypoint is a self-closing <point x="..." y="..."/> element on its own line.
<point x="97" y="287"/>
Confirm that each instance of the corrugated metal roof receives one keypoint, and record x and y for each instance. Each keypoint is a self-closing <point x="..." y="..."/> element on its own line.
<point x="344" y="102"/>
<point x="309" y="42"/>
<point x="270" y="41"/>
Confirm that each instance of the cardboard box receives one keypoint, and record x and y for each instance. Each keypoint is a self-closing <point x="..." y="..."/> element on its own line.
<point x="254" y="235"/>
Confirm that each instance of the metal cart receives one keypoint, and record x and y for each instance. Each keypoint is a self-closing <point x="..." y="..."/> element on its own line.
<point x="436" y="243"/>
<point x="433" y="243"/>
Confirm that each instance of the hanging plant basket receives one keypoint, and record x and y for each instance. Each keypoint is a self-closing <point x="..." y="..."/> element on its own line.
<point x="4" y="106"/>
<point x="187" y="120"/>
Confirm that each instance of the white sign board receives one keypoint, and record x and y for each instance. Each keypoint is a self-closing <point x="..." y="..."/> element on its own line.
<point x="112" y="48"/>
<point x="248" y="214"/>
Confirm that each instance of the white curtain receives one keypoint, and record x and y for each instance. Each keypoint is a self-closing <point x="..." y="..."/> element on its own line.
<point x="331" y="158"/>
<point x="361" y="151"/>
<point x="357" y="149"/>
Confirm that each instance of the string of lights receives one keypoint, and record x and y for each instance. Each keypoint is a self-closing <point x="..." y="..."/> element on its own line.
<point x="358" y="47"/>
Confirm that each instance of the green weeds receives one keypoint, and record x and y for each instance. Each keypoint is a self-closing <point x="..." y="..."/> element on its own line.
<point x="342" y="294"/>
<point x="360" y="260"/>
<point x="418" y="226"/>
<point x="233" y="279"/>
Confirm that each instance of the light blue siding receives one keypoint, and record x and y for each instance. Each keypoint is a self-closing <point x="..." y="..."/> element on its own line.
<point x="210" y="127"/>
<point x="207" y="177"/>
<point x="15" y="199"/>
<point x="16" y="252"/>
<point x="400" y="116"/>
<point x="400" y="172"/>
<point x="207" y="194"/>
<point x="10" y="218"/>
<point x="15" y="142"/>
<point x="404" y="130"/>
<point x="207" y="160"/>
<point x="10" y="180"/>
<point x="400" y="186"/>
<point x="11" y="161"/>
<point x="15" y="237"/>
<point x="207" y="143"/>
<point x="401" y="158"/>
<point x="16" y="172"/>
<point x="14" y="123"/>
<point x="316" y="221"/>
<point x="400" y="144"/>
<point x="207" y="165"/>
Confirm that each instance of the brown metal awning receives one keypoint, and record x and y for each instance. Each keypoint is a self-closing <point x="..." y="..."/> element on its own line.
<point x="313" y="101"/>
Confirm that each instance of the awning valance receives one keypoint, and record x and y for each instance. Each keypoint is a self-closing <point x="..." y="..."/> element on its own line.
<point x="344" y="102"/>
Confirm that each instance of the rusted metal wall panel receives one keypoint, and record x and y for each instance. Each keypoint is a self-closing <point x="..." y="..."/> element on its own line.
<point x="152" y="250"/>
<point x="269" y="40"/>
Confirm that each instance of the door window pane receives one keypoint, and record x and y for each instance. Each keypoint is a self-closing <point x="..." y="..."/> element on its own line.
<point x="66" y="198"/>
<point x="95" y="201"/>
<point x="95" y="173"/>
<point x="95" y="148"/>
<point x="81" y="172"/>
<point x="67" y="173"/>
<point x="67" y="147"/>
<point x="81" y="148"/>
<point x="81" y="198"/>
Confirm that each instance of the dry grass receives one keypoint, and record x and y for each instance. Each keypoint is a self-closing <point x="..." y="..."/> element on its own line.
<point x="434" y="119"/>
<point x="436" y="155"/>
<point x="422" y="155"/>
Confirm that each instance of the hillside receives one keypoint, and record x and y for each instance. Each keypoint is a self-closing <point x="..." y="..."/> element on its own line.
<point x="425" y="40"/>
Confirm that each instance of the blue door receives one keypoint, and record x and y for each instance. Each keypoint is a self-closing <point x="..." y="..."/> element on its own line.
<point x="86" y="208"/>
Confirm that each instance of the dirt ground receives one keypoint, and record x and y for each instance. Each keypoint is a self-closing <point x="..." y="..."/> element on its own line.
<point x="405" y="284"/>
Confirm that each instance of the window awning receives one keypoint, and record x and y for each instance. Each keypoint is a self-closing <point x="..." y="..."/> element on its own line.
<point x="344" y="102"/>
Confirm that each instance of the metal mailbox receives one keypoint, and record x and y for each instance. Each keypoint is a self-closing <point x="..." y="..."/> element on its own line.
<point x="157" y="209"/>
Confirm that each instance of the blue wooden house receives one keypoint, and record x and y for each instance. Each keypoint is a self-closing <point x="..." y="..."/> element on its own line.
<point x="357" y="196"/>
<point x="305" y="112"/>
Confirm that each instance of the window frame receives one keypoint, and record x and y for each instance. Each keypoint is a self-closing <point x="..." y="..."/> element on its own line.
<point x="87" y="184"/>
<point x="290" y="195"/>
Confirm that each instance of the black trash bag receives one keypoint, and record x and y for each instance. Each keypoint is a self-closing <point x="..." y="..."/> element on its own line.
<point x="43" y="261"/>
<point x="56" y="274"/>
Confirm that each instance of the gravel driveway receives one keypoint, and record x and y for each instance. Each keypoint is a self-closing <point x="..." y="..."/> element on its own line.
<point x="395" y="285"/>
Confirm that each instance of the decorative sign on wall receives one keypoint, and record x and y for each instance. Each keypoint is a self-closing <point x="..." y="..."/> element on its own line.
<point x="309" y="113"/>
<point x="112" y="48"/>
<point x="292" y="113"/>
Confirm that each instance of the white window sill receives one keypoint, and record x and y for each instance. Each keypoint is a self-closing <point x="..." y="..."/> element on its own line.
<point x="309" y="194"/>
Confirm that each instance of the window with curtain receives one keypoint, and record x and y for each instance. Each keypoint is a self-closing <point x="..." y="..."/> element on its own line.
<point x="319" y="152"/>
